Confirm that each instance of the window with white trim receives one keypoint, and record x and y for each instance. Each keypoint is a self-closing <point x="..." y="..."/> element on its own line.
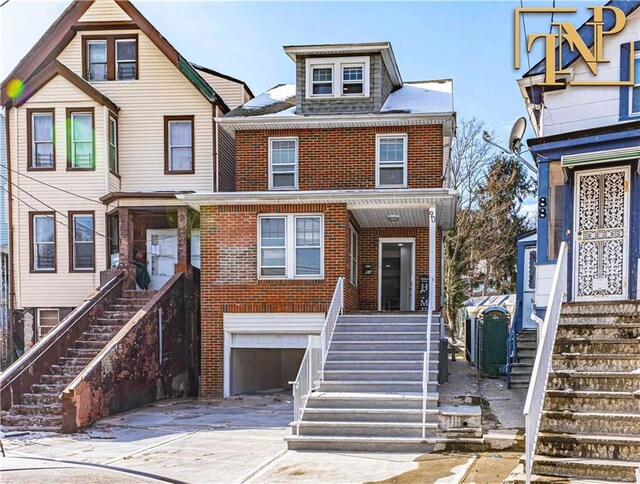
<point x="47" y="320"/>
<point x="113" y="144"/>
<point x="283" y="163"/>
<point x="290" y="246"/>
<point x="353" y="255"/>
<point x="334" y="77"/>
<point x="634" y="97"/>
<point x="391" y="161"/>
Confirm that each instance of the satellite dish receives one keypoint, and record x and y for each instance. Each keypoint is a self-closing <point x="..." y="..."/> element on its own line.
<point x="517" y="132"/>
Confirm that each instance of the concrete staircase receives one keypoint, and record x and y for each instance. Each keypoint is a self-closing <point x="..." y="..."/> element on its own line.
<point x="590" y="427"/>
<point x="527" y="344"/>
<point x="371" y="396"/>
<point x="41" y="410"/>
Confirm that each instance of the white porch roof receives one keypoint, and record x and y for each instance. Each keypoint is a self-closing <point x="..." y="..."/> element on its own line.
<point x="370" y="207"/>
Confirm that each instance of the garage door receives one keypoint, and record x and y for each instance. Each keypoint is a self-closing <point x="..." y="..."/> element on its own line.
<point x="262" y="351"/>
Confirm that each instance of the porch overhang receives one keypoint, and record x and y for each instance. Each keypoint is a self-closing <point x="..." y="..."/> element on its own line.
<point x="372" y="208"/>
<point x="608" y="156"/>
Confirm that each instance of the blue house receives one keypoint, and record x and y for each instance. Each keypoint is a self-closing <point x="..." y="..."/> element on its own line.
<point x="525" y="281"/>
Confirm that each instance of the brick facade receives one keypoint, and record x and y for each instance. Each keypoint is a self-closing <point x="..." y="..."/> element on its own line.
<point x="339" y="159"/>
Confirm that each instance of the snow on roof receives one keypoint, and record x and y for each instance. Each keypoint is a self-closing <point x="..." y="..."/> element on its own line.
<point x="421" y="97"/>
<point x="279" y="93"/>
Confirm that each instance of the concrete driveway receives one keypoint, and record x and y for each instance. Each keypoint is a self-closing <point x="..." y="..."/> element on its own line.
<point x="222" y="441"/>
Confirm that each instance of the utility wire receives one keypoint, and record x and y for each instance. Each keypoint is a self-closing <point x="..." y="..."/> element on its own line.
<point x="4" y="3"/>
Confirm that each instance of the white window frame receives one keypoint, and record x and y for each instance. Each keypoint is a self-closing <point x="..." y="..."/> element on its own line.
<point x="39" y="311"/>
<point x="342" y="81"/>
<point x="295" y="169"/>
<point x="405" y="163"/>
<point x="353" y="255"/>
<point x="632" y="88"/>
<point x="128" y="61"/>
<point x="337" y="64"/>
<point x="34" y="143"/>
<point x="290" y="246"/>
<point x="312" y="82"/>
<point x="113" y="122"/>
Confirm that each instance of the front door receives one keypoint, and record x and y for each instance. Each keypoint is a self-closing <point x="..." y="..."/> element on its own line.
<point x="529" y="286"/>
<point x="162" y="255"/>
<point x="601" y="242"/>
<point x="396" y="264"/>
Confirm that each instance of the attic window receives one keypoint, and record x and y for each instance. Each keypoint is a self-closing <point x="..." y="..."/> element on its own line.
<point x="352" y="80"/>
<point x="335" y="77"/>
<point x="110" y="57"/>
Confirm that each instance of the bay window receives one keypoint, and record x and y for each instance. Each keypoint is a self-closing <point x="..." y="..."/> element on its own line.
<point x="391" y="161"/>
<point x="290" y="246"/>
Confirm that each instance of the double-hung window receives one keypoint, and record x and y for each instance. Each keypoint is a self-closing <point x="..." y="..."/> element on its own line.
<point x="353" y="255"/>
<point x="322" y="81"/>
<point x="41" y="133"/>
<point x="82" y="241"/>
<point x="391" y="161"/>
<point x="290" y="246"/>
<point x="634" y="102"/>
<point x="352" y="80"/>
<point x="110" y="57"/>
<point x="283" y="163"/>
<point x="96" y="62"/>
<point x="179" y="144"/>
<point x="80" y="139"/>
<point x="126" y="59"/>
<point x="335" y="77"/>
<point x="43" y="242"/>
<point x="113" y="144"/>
<point x="47" y="320"/>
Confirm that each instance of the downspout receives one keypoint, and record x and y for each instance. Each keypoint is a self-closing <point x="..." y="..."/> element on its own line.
<point x="214" y="138"/>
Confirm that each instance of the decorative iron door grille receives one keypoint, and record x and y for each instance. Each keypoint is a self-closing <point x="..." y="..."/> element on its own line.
<point x="601" y="234"/>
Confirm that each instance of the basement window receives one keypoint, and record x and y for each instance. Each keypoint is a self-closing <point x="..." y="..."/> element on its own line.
<point x="47" y="319"/>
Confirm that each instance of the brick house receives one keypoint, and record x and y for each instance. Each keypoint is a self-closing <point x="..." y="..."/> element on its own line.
<point x="342" y="175"/>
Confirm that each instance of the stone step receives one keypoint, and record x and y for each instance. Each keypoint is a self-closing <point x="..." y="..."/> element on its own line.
<point x="526" y="365"/>
<point x="599" y="331"/>
<point x="103" y="337"/>
<point x="616" y="447"/>
<point x="130" y="293"/>
<point x="598" y="381"/>
<point x="44" y="409"/>
<point x="397" y="386"/>
<point x="40" y="398"/>
<point x="128" y="307"/>
<point x="368" y="415"/>
<point x="413" y="336"/>
<point x="83" y="352"/>
<point x="350" y="355"/>
<point x="414" y="365"/>
<point x="591" y="423"/>
<point x="53" y="388"/>
<point x="97" y="345"/>
<point x="66" y="369"/>
<point x="389" y="345"/>
<point x="75" y="360"/>
<point x="366" y="429"/>
<point x="342" y="327"/>
<point x="360" y="444"/>
<point x="590" y="346"/>
<point x="133" y="301"/>
<point x="31" y="428"/>
<point x="578" y="467"/>
<point x="377" y="375"/>
<point x="593" y="401"/>
<point x="63" y="379"/>
<point x="596" y="362"/>
<point x="115" y="315"/>
<point x="32" y="420"/>
<point x="104" y="328"/>
<point x="379" y="400"/>
<point x="601" y="309"/>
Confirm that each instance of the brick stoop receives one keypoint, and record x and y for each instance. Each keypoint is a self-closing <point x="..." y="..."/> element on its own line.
<point x="590" y="425"/>
<point x="41" y="409"/>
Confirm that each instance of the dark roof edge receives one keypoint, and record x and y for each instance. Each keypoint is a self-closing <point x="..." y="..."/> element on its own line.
<point x="583" y="133"/>
<point x="224" y="76"/>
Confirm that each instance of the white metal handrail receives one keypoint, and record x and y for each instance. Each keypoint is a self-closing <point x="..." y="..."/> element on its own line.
<point x="425" y="370"/>
<point x="535" y="396"/>
<point x="311" y="370"/>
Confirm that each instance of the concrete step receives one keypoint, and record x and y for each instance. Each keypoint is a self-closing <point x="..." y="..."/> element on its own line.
<point x="601" y="309"/>
<point x="40" y="398"/>
<point x="129" y="307"/>
<point x="75" y="360"/>
<point x="369" y="415"/>
<point x="590" y="346"/>
<point x="360" y="354"/>
<point x="526" y="360"/>
<point x="592" y="401"/>
<point x="104" y="328"/>
<point x="63" y="379"/>
<point x="97" y="345"/>
<point x="376" y="386"/>
<point x="53" y="388"/>
<point x="102" y="337"/>
<point x="365" y="429"/>
<point x="414" y="365"/>
<point x="378" y="375"/>
<point x="520" y="382"/>
<point x="66" y="369"/>
<point x="385" y="318"/>
<point x="374" y="327"/>
<point x="596" y="381"/>
<point x="389" y="345"/>
<point x="115" y="315"/>
<point x="83" y="352"/>
<point x="599" y="328"/>
<point x="130" y="293"/>
<point x="361" y="444"/>
<point x="584" y="468"/>
<point x="37" y="409"/>
<point x="527" y="345"/>
<point x="616" y="447"/>
<point x="526" y="355"/>
<point x="522" y="365"/>
<point x="596" y="362"/>
<point x="32" y="420"/>
<point x="378" y="400"/>
<point x="591" y="423"/>
<point x="414" y="336"/>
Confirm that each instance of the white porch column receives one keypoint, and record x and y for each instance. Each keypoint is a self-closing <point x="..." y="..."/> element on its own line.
<point x="432" y="257"/>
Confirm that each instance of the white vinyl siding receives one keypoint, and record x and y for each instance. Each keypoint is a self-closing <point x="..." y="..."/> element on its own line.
<point x="283" y="163"/>
<point x="391" y="161"/>
<point x="290" y="246"/>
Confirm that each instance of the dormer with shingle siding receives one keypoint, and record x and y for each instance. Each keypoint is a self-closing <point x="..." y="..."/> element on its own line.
<point x="343" y="78"/>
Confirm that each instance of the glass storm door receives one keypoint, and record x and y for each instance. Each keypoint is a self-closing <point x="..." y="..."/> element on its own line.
<point x="601" y="243"/>
<point x="162" y="255"/>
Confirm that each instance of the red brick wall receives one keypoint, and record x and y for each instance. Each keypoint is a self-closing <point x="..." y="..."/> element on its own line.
<point x="229" y="275"/>
<point x="339" y="159"/>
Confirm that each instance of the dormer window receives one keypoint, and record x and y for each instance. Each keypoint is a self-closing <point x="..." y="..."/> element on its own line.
<point x="335" y="77"/>
<point x="110" y="57"/>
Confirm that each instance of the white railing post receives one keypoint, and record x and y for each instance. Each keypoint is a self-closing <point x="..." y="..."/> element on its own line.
<point x="535" y="396"/>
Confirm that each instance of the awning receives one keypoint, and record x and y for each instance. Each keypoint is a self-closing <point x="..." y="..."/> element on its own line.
<point x="621" y="154"/>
